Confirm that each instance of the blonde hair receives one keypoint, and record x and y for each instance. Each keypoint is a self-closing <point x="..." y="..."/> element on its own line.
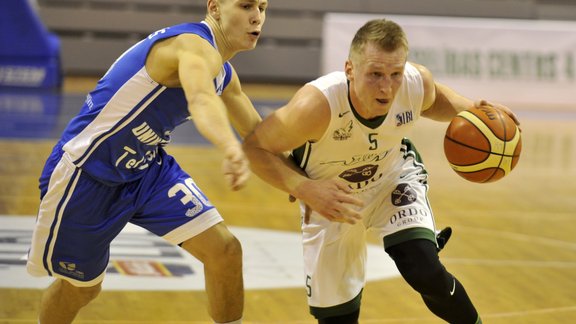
<point x="385" y="34"/>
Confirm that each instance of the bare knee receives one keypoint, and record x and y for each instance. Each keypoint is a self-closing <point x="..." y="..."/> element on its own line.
<point x="226" y="253"/>
<point x="82" y="295"/>
<point x="216" y="247"/>
<point x="61" y="301"/>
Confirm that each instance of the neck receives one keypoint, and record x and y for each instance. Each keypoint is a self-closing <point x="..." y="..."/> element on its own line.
<point x="222" y="42"/>
<point x="359" y="111"/>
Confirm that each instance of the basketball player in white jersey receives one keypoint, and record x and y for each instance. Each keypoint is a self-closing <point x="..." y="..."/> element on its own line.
<point x="109" y="167"/>
<point x="354" y="170"/>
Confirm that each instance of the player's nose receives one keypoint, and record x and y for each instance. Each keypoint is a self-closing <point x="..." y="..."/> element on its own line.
<point x="256" y="19"/>
<point x="385" y="86"/>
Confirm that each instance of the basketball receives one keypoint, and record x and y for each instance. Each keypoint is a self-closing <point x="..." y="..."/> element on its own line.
<point x="482" y="144"/>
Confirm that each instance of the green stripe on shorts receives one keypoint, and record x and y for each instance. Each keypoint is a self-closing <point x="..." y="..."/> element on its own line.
<point x="408" y="234"/>
<point x="342" y="309"/>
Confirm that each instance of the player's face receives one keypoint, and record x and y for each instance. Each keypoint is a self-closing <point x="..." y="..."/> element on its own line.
<point x="375" y="77"/>
<point x="242" y="21"/>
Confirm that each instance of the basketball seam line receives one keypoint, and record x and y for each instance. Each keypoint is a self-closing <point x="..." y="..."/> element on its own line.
<point x="477" y="149"/>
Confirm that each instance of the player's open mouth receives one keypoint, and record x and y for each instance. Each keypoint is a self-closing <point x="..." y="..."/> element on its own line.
<point x="255" y="33"/>
<point x="383" y="101"/>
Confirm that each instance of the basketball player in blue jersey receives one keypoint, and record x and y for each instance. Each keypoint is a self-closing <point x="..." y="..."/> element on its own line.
<point x="110" y="168"/>
<point x="354" y="170"/>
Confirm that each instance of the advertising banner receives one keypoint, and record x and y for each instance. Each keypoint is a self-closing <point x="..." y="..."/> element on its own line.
<point x="521" y="63"/>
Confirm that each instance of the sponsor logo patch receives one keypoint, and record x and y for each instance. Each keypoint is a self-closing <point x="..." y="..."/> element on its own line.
<point x="359" y="174"/>
<point x="403" y="195"/>
<point x="344" y="133"/>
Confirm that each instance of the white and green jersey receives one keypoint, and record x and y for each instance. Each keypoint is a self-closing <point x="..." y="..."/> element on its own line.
<point x="365" y="153"/>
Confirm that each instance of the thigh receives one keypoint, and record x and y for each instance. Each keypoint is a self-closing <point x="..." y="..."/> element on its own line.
<point x="173" y="206"/>
<point x="77" y="220"/>
<point x="404" y="212"/>
<point x="334" y="262"/>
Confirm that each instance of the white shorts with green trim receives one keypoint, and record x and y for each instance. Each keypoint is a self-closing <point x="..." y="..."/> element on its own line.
<point x="335" y="253"/>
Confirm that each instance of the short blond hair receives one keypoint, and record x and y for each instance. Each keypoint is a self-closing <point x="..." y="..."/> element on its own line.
<point x="385" y="34"/>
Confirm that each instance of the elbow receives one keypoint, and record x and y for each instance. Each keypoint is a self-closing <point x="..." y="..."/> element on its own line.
<point x="440" y="115"/>
<point x="248" y="128"/>
<point x="440" y="118"/>
<point x="248" y="144"/>
<point x="196" y="101"/>
<point x="253" y="148"/>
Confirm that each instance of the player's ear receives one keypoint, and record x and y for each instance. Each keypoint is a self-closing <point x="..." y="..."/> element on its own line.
<point x="348" y="69"/>
<point x="213" y="9"/>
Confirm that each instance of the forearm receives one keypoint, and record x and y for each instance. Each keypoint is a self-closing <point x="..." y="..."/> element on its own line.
<point x="245" y="123"/>
<point x="243" y="116"/>
<point x="330" y="198"/>
<point x="447" y="104"/>
<point x="277" y="170"/>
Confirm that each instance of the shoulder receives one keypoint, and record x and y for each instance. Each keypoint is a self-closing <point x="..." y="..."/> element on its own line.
<point x="177" y="49"/>
<point x="307" y="113"/>
<point x="330" y="80"/>
<point x="196" y="48"/>
<point x="199" y="29"/>
<point x="194" y="42"/>
<point x="308" y="96"/>
<point x="333" y="86"/>
<point x="187" y="36"/>
<point x="421" y="70"/>
<point x="428" y="84"/>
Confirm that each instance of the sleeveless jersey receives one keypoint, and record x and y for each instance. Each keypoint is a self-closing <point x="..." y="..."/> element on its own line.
<point x="124" y="120"/>
<point x="364" y="153"/>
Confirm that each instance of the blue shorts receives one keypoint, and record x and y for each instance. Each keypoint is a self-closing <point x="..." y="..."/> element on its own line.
<point x="80" y="216"/>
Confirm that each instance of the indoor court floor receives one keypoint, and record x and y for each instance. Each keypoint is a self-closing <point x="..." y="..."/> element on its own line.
<point x="513" y="246"/>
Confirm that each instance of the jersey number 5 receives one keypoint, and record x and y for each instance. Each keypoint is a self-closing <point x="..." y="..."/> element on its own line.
<point x="373" y="141"/>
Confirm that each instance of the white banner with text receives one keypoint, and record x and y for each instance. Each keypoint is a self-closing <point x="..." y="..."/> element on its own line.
<point x="521" y="63"/>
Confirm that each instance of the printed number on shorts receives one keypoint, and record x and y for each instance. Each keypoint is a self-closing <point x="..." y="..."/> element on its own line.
<point x="308" y="287"/>
<point x="192" y="195"/>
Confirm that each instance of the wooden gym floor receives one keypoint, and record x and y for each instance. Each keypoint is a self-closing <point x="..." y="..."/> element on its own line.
<point x="513" y="247"/>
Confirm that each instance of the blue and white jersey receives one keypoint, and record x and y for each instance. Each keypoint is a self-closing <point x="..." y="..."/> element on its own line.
<point x="124" y="120"/>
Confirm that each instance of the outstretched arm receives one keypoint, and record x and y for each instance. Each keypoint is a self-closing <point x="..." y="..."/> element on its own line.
<point x="198" y="63"/>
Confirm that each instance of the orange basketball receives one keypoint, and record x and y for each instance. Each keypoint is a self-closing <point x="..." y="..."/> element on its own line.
<point x="482" y="144"/>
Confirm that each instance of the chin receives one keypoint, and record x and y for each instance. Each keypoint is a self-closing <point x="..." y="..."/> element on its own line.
<point x="381" y="110"/>
<point x="247" y="48"/>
